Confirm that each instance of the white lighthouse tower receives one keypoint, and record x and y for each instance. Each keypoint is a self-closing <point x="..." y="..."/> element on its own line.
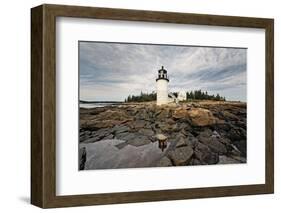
<point x="162" y="87"/>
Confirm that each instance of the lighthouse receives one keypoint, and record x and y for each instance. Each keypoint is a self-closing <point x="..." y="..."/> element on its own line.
<point x="162" y="86"/>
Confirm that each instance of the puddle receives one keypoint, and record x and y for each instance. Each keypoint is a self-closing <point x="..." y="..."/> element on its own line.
<point x="113" y="154"/>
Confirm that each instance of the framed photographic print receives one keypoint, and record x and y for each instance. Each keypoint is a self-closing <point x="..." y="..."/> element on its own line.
<point x="137" y="106"/>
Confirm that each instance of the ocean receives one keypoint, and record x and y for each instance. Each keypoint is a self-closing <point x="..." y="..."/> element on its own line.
<point x="95" y="105"/>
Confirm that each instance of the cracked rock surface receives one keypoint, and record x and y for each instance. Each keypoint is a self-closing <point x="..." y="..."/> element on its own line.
<point x="139" y="135"/>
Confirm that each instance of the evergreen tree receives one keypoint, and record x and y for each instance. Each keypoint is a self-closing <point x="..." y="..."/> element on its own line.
<point x="192" y="95"/>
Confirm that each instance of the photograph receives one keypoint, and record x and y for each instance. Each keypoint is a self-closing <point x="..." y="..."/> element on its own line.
<point x="148" y="104"/>
<point x="161" y="105"/>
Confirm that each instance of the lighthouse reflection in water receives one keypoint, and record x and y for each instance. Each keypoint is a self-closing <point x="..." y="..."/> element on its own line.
<point x="162" y="144"/>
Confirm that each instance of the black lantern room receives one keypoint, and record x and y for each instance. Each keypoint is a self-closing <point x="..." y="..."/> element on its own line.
<point x="162" y="74"/>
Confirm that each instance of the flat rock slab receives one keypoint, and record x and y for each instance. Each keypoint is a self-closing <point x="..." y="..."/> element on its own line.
<point x="213" y="143"/>
<point x="181" y="142"/>
<point x="181" y="156"/>
<point x="139" y="140"/>
<point x="227" y="160"/>
<point x="120" y="129"/>
<point x="201" y="117"/>
<point x="204" y="154"/>
<point x="126" y="136"/>
<point x="147" y="132"/>
<point x="164" y="161"/>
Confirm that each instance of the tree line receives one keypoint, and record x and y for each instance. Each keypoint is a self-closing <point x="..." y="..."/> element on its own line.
<point x="201" y="95"/>
<point x="192" y="95"/>
<point x="143" y="97"/>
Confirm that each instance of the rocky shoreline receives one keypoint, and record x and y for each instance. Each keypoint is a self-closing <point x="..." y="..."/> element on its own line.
<point x="199" y="133"/>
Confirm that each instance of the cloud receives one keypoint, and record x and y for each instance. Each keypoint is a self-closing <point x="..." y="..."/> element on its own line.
<point x="112" y="71"/>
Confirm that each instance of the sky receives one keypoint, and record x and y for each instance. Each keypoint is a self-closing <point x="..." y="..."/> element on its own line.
<point x="112" y="71"/>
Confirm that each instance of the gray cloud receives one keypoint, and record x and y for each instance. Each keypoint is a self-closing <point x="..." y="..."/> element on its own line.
<point x="112" y="71"/>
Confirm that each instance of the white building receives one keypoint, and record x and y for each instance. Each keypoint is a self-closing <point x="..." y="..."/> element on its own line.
<point x="182" y="96"/>
<point x="162" y="87"/>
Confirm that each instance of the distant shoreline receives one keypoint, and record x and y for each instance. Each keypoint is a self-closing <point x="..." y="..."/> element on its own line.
<point x="89" y="105"/>
<point x="149" y="102"/>
<point x="100" y="102"/>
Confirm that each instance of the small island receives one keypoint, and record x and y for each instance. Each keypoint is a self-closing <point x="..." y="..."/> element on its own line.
<point x="161" y="129"/>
